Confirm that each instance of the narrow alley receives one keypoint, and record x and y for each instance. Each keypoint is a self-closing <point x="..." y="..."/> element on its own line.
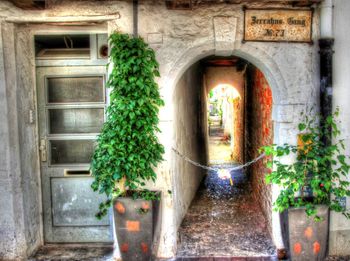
<point x="224" y="220"/>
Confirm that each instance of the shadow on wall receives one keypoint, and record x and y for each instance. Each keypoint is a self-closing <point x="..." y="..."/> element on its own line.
<point x="259" y="132"/>
<point x="190" y="138"/>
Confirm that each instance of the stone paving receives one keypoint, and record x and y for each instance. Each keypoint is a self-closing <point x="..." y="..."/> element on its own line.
<point x="332" y="258"/>
<point x="338" y="258"/>
<point x="91" y="252"/>
<point x="72" y="252"/>
<point x="225" y="221"/>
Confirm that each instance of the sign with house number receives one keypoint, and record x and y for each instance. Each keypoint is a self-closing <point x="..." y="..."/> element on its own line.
<point x="278" y="25"/>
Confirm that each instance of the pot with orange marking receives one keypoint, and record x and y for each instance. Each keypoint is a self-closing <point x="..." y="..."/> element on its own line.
<point x="307" y="237"/>
<point x="134" y="226"/>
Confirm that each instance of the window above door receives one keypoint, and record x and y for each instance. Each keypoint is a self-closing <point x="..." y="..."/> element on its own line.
<point x="71" y="49"/>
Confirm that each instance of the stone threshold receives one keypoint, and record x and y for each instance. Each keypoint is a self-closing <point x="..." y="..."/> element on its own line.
<point x="272" y="258"/>
<point x="103" y="252"/>
<point x="74" y="252"/>
<point x="226" y="258"/>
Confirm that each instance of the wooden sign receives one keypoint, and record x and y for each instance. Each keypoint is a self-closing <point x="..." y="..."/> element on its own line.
<point x="278" y="25"/>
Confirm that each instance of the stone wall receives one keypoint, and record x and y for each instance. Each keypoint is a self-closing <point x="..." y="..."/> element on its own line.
<point x="8" y="232"/>
<point x="30" y="166"/>
<point x="180" y="38"/>
<point x="339" y="243"/>
<point x="260" y="129"/>
<point x="22" y="224"/>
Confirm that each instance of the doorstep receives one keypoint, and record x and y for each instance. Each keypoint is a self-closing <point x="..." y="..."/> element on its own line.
<point x="104" y="252"/>
<point x="74" y="252"/>
<point x="226" y="259"/>
<point x="329" y="258"/>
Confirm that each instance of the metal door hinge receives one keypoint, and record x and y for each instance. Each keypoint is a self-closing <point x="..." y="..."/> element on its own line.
<point x="42" y="148"/>
<point x="31" y="117"/>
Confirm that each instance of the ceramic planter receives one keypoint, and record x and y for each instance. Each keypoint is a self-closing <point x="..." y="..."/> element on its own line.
<point x="134" y="227"/>
<point x="307" y="238"/>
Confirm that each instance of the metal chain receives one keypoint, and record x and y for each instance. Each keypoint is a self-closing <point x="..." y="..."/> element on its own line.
<point x="249" y="162"/>
<point x="223" y="167"/>
<point x="193" y="162"/>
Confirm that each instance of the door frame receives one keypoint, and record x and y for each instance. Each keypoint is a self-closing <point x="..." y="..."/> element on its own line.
<point x="53" y="29"/>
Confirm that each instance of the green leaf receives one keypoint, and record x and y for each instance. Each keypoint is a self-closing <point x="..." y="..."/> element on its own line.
<point x="317" y="166"/>
<point x="116" y="176"/>
<point x="128" y="144"/>
<point x="301" y="126"/>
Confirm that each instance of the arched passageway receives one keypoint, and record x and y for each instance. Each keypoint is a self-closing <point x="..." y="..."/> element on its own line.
<point x="224" y="83"/>
<point x="230" y="215"/>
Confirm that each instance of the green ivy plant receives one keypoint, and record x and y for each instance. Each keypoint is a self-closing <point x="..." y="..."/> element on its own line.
<point x="318" y="175"/>
<point x="127" y="148"/>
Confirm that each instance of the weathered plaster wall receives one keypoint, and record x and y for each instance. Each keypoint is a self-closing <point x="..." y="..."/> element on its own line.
<point x="260" y="134"/>
<point x="8" y="231"/>
<point x="22" y="225"/>
<point x="290" y="69"/>
<point x="185" y="37"/>
<point x="229" y="75"/>
<point x="29" y="154"/>
<point x="180" y="38"/>
<point x="188" y="139"/>
<point x="339" y="226"/>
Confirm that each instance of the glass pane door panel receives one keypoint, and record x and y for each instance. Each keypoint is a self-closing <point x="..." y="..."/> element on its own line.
<point x="71" y="151"/>
<point x="75" y="89"/>
<point x="75" y="120"/>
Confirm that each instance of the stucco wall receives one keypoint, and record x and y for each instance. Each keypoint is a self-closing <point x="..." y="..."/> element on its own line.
<point x="29" y="154"/>
<point x="180" y="38"/>
<point x="22" y="226"/>
<point x="339" y="226"/>
<point x="188" y="139"/>
<point x="8" y="231"/>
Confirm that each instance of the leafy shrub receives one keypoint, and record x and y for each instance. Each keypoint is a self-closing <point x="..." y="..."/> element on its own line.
<point x="127" y="148"/>
<point x="319" y="173"/>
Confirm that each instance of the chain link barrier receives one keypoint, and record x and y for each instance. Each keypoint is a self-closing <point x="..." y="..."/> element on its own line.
<point x="226" y="167"/>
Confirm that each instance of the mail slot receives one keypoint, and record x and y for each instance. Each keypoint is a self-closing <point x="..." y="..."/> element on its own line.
<point x="76" y="172"/>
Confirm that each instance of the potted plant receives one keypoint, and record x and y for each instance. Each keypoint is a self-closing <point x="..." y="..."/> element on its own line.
<point x="314" y="182"/>
<point x="127" y="148"/>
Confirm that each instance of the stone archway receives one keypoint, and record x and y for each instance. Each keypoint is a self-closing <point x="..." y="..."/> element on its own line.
<point x="251" y="53"/>
<point x="266" y="65"/>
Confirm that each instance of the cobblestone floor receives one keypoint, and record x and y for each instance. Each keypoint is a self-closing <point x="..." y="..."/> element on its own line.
<point x="71" y="252"/>
<point x="224" y="220"/>
<point x="93" y="252"/>
<point x="338" y="258"/>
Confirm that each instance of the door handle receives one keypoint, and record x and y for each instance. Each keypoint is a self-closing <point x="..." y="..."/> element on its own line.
<point x="42" y="149"/>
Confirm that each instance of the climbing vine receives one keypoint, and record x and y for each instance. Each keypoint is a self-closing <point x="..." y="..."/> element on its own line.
<point x="127" y="148"/>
